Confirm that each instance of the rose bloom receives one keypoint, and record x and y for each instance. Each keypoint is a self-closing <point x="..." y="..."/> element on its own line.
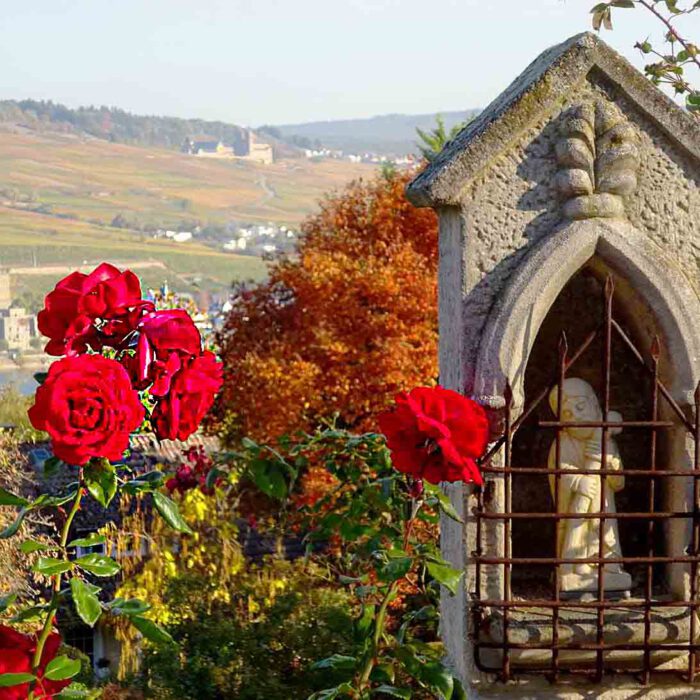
<point x="191" y="395"/>
<point x="171" y="331"/>
<point x="78" y="301"/>
<point x="16" y="654"/>
<point x="88" y="407"/>
<point x="436" y="434"/>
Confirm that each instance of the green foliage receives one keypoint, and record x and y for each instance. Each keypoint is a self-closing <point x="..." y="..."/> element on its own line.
<point x="13" y="412"/>
<point x="678" y="54"/>
<point x="432" y="142"/>
<point x="229" y="655"/>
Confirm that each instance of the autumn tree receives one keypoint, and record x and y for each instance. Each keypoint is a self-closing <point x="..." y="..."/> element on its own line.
<point x="340" y="326"/>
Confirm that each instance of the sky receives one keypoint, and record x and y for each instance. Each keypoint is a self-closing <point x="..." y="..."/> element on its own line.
<point x="255" y="62"/>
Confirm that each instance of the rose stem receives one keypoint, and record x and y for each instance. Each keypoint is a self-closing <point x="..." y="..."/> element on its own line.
<point x="53" y="606"/>
<point x="380" y="620"/>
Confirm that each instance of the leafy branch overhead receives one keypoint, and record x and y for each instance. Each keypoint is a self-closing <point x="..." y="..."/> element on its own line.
<point x="671" y="63"/>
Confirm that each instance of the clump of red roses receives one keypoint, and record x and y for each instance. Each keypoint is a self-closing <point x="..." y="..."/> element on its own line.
<point x="193" y="472"/>
<point x="436" y="434"/>
<point x="116" y="344"/>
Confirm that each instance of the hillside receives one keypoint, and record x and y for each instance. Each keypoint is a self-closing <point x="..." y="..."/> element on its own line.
<point x="60" y="193"/>
<point x="119" y="126"/>
<point x="389" y="134"/>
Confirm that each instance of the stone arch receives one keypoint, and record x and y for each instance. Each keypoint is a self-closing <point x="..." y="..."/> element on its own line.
<point x="656" y="279"/>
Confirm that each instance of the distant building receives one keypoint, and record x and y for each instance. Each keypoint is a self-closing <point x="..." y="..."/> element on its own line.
<point x="245" y="148"/>
<point x="17" y="328"/>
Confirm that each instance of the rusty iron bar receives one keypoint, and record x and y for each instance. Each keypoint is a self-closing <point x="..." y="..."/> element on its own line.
<point x="662" y="388"/>
<point x="595" y="646"/>
<point x="563" y="349"/>
<point x="527" y="412"/>
<point x="648" y="590"/>
<point x="576" y="671"/>
<point x="598" y="472"/>
<point x="552" y="561"/>
<point x="606" y="359"/>
<point x="476" y="555"/>
<point x="507" y="545"/>
<point x="695" y="538"/>
<point x="607" y="424"/>
<point x="583" y="516"/>
<point x="576" y="604"/>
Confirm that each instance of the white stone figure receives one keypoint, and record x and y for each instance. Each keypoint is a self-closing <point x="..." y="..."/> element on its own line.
<point x="580" y="493"/>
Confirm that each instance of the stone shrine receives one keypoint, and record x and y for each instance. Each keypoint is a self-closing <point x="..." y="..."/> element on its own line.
<point x="569" y="302"/>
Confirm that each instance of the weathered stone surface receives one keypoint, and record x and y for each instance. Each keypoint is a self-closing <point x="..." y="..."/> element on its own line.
<point x="580" y="164"/>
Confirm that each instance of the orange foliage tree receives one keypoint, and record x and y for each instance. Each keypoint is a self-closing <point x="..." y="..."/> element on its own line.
<point x="342" y="325"/>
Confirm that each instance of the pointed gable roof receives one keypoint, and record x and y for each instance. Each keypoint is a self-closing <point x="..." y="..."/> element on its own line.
<point x="542" y="85"/>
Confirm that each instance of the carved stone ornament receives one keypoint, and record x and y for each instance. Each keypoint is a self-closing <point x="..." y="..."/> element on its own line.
<point x="599" y="156"/>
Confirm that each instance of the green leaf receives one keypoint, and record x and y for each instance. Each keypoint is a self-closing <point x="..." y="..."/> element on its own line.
<point x="89" y="541"/>
<point x="52" y="465"/>
<point x="7" y="680"/>
<point x="62" y="668"/>
<point x="395" y="568"/>
<point x="87" y="605"/>
<point x="50" y="567"/>
<point x="10" y="499"/>
<point x="392" y="691"/>
<point x="101" y="481"/>
<point x="130" y="607"/>
<point x="443" y="501"/>
<point x="623" y="3"/>
<point x="170" y="513"/>
<point x="75" y="693"/>
<point x="446" y="575"/>
<point x="269" y="478"/>
<point x="458" y="693"/>
<point x="151" y="631"/>
<point x="40" y="377"/>
<point x="383" y="673"/>
<point x="33" y="612"/>
<point x="98" y="565"/>
<point x="6" y="601"/>
<point x="438" y="677"/>
<point x="363" y="624"/>
<point x="31" y="546"/>
<point x="336" y="662"/>
<point x="344" y="689"/>
<point x="46" y="501"/>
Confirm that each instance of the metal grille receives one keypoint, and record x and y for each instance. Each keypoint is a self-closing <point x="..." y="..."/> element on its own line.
<point x="601" y="661"/>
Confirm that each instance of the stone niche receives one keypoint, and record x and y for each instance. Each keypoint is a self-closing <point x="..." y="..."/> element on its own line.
<point x="579" y="172"/>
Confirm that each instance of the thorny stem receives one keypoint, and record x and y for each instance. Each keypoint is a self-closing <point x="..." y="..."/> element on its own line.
<point x="669" y="25"/>
<point x="53" y="605"/>
<point x="380" y="619"/>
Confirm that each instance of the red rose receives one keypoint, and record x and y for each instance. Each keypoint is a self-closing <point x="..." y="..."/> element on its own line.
<point x="88" y="408"/>
<point x="16" y="655"/>
<point x="73" y="309"/>
<point x="191" y="395"/>
<point x="171" y="331"/>
<point x="436" y="434"/>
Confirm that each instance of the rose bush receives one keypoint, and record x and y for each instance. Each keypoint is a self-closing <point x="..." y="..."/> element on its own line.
<point x="436" y="434"/>
<point x="126" y="364"/>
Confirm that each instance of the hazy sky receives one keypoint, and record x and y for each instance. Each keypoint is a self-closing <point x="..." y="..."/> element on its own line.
<point x="275" y="61"/>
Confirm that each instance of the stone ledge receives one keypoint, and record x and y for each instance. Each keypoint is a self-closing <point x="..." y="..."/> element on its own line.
<point x="669" y="625"/>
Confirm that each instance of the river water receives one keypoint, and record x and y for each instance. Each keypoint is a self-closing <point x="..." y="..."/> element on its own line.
<point x="23" y="379"/>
